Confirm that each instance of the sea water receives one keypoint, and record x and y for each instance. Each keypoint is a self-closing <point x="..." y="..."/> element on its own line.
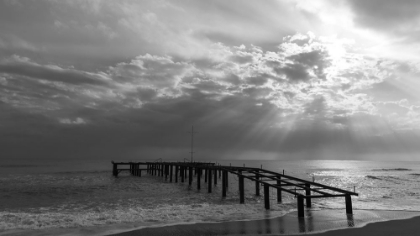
<point x="59" y="197"/>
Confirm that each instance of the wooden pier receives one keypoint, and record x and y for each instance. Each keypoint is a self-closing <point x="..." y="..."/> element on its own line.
<point x="186" y="171"/>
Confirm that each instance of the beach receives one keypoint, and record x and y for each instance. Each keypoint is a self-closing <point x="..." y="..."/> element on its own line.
<point x="408" y="227"/>
<point x="326" y="222"/>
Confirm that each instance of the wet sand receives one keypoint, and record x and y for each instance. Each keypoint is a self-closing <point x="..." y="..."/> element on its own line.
<point x="335" y="222"/>
<point x="406" y="227"/>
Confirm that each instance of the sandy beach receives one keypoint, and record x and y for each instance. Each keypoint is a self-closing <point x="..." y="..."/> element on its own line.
<point x="405" y="227"/>
<point x="322" y="222"/>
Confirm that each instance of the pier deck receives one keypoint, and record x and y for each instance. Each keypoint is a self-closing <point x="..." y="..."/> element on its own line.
<point x="180" y="171"/>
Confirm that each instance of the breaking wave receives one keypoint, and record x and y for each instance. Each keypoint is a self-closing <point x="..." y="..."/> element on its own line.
<point x="373" y="177"/>
<point x="392" y="169"/>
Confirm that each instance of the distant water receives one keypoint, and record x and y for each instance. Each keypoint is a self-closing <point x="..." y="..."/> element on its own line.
<point x="82" y="197"/>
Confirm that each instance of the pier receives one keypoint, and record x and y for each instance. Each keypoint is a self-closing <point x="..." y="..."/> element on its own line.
<point x="303" y="190"/>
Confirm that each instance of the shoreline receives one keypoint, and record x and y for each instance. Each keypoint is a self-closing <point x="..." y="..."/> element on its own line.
<point x="316" y="222"/>
<point x="397" y="227"/>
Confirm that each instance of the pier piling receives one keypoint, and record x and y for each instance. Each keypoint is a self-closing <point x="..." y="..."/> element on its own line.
<point x="171" y="169"/>
<point x="349" y="207"/>
<point x="182" y="174"/>
<point x="190" y="175"/>
<point x="241" y="189"/>
<point x="198" y="178"/>
<point x="301" y="212"/>
<point x="209" y="181"/>
<point x="176" y="173"/>
<point x="224" y="185"/>
<point x="266" y="196"/>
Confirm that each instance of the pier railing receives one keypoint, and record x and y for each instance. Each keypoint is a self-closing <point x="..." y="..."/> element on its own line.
<point x="303" y="190"/>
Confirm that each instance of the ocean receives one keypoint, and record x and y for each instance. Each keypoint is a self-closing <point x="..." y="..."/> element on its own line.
<point x="81" y="197"/>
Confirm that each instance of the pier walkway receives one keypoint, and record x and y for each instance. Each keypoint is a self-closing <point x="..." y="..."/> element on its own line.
<point x="303" y="190"/>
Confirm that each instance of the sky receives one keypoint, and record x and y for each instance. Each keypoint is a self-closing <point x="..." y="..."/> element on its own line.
<point x="263" y="80"/>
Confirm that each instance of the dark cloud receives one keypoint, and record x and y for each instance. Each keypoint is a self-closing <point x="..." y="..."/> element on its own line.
<point x="149" y="70"/>
<point x="242" y="59"/>
<point x="258" y="80"/>
<point x="391" y="16"/>
<point x="294" y="72"/>
<point x="50" y="73"/>
<point x="317" y="60"/>
<point x="300" y="66"/>
<point x="317" y="106"/>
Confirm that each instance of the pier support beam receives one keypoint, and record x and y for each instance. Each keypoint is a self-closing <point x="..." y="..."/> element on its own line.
<point x="171" y="170"/>
<point x="114" y="169"/>
<point x="267" y="196"/>
<point x="241" y="190"/>
<point x="209" y="180"/>
<point x="182" y="174"/>
<point x="176" y="173"/>
<point x="301" y="210"/>
<point x="190" y="175"/>
<point x="349" y="207"/>
<point x="198" y="178"/>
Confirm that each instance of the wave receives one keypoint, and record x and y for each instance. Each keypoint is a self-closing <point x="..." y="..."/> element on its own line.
<point x="17" y="166"/>
<point x="415" y="174"/>
<point x="84" y="172"/>
<point x="373" y="177"/>
<point x="163" y="214"/>
<point x="392" y="169"/>
<point x="386" y="178"/>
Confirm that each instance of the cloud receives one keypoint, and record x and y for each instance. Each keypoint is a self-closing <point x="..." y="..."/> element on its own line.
<point x="388" y="15"/>
<point x="76" y="121"/>
<point x="23" y="66"/>
<point x="291" y="78"/>
<point x="253" y="104"/>
<point x="12" y="42"/>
